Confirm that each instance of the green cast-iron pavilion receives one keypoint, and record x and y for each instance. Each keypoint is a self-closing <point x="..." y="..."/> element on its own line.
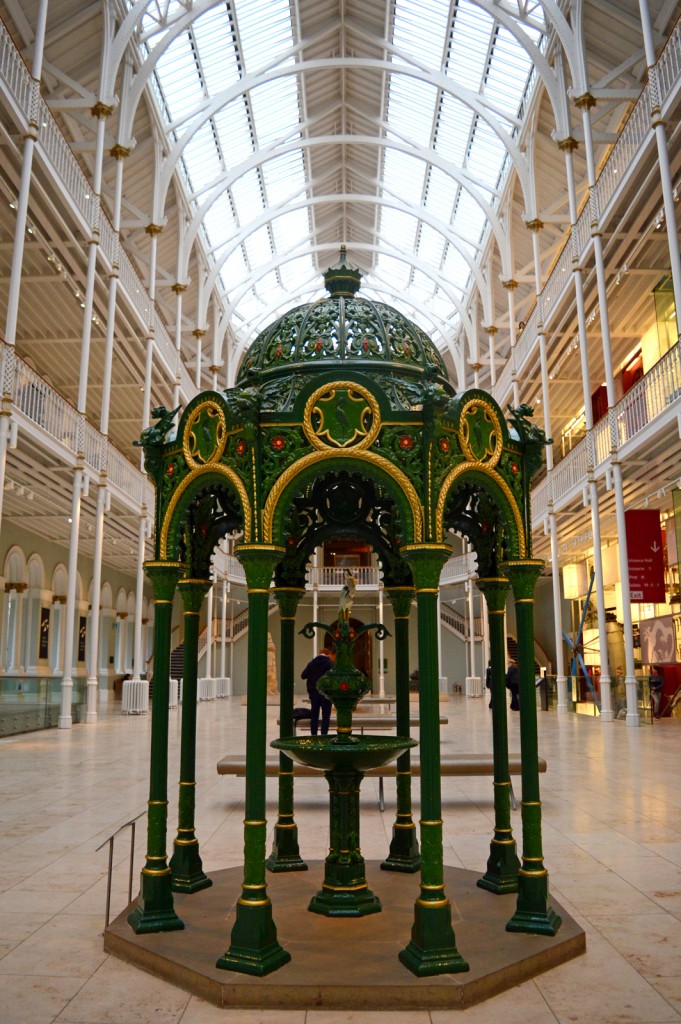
<point x="343" y="422"/>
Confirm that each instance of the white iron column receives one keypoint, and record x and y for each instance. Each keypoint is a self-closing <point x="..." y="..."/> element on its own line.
<point x="209" y="628"/>
<point x="65" y="718"/>
<point x="535" y="226"/>
<point x="100" y="111"/>
<point x="119" y="153"/>
<point x="662" y="154"/>
<point x="510" y="285"/>
<point x="139" y="662"/>
<point x="381" y="673"/>
<point x="568" y="145"/>
<point x="223" y="632"/>
<point x="585" y="103"/>
<point x="199" y="335"/>
<point x="93" y="666"/>
<point x="491" y="331"/>
<point x="12" y="313"/>
<point x="179" y="290"/>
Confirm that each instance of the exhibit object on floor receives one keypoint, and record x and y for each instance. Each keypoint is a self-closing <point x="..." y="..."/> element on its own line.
<point x="343" y="421"/>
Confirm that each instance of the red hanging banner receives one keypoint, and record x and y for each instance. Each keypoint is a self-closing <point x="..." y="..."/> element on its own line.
<point x="646" y="556"/>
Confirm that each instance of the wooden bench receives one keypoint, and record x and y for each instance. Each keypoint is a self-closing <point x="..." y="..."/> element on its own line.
<point x="457" y="764"/>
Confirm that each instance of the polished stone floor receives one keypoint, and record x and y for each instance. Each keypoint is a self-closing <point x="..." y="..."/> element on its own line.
<point x="612" y="840"/>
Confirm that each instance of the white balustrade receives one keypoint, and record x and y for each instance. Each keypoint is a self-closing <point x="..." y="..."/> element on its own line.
<point x="334" y="577"/>
<point x="458" y="568"/>
<point x="473" y="686"/>
<point x="223" y="687"/>
<point x="173" y="693"/>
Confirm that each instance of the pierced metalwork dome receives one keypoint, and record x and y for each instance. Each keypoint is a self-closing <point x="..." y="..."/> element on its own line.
<point x="344" y="328"/>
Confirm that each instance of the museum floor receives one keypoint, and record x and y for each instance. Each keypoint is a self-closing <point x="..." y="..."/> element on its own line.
<point x="612" y="840"/>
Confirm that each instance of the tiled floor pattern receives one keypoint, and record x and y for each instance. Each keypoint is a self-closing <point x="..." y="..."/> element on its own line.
<point x="612" y="839"/>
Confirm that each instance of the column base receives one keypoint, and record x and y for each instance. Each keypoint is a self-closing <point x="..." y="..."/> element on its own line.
<point x="254" y="948"/>
<point x="534" y="923"/>
<point x="187" y="868"/>
<point x="432" y="949"/>
<point x="502" y="868"/>
<point x="64" y="722"/>
<point x="351" y="902"/>
<point x="285" y="855"/>
<point x="534" y="913"/>
<point x="607" y="716"/>
<point x="404" y="852"/>
<point x="154" y="911"/>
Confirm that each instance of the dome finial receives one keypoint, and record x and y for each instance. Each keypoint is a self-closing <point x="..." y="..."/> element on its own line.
<point x="342" y="279"/>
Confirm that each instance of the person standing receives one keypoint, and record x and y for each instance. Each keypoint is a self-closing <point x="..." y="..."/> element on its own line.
<point x="312" y="673"/>
<point x="656" y="684"/>
<point x="513" y="684"/>
<point x="488" y="681"/>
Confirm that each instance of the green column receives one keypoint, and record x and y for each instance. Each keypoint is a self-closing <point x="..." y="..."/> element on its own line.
<point x="404" y="847"/>
<point x="533" y="909"/>
<point x="154" y="911"/>
<point x="254" y="948"/>
<point x="502" y="866"/>
<point x="187" y="870"/>
<point x="285" y="855"/>
<point x="432" y="949"/>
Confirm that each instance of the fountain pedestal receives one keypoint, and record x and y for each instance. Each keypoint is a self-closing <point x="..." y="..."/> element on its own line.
<point x="344" y="759"/>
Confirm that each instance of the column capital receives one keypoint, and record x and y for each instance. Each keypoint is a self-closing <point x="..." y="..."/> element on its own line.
<point x="495" y="590"/>
<point x="535" y="224"/>
<point x="475" y="366"/>
<point x="584" y="102"/>
<point x="119" y="152"/>
<point x="567" y="145"/>
<point x="153" y="229"/>
<point x="491" y="329"/>
<point x="426" y="561"/>
<point x="401" y="599"/>
<point x="523" y="575"/>
<point x="178" y="288"/>
<point x="198" y="333"/>
<point x="214" y="369"/>
<point x="288" y="599"/>
<point x="510" y="284"/>
<point x="101" y="110"/>
<point x="164" y="577"/>
<point x="259" y="562"/>
<point x="193" y="592"/>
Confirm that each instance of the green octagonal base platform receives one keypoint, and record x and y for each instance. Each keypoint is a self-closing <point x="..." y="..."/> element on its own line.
<point x="361" y="952"/>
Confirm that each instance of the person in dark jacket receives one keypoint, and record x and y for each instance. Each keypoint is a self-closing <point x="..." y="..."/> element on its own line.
<point x="513" y="684"/>
<point x="312" y="673"/>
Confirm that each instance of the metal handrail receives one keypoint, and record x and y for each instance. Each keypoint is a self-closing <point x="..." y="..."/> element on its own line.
<point x="131" y="825"/>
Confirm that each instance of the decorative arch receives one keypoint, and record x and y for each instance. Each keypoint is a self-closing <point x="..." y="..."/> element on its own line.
<point x="490" y="481"/>
<point x="36" y="572"/>
<point x="15" y="566"/>
<point x="375" y="466"/>
<point x="201" y="480"/>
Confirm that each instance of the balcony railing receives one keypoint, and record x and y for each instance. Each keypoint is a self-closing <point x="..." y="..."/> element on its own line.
<point x="367" y="577"/>
<point x="44" y="407"/>
<point x="56" y="151"/>
<point x="648" y="399"/>
<point x="620" y="164"/>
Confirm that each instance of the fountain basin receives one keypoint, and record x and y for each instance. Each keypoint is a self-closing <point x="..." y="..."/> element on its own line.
<point x="329" y="753"/>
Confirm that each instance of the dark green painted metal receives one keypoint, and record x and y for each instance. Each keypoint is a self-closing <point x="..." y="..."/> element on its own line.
<point x="186" y="865"/>
<point x="404" y="854"/>
<point x="344" y="891"/>
<point x="155" y="911"/>
<point x="254" y="948"/>
<point x="432" y="949"/>
<point x="285" y="855"/>
<point x="534" y="913"/>
<point x="501" y="875"/>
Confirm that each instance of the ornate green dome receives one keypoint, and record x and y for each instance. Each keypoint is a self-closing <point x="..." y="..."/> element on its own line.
<point x="342" y="331"/>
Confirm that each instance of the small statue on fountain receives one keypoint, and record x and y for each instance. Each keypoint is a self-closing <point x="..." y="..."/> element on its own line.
<point x="346" y="598"/>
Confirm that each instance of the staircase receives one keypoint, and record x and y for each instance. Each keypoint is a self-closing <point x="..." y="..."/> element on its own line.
<point x="456" y="623"/>
<point x="177" y="662"/>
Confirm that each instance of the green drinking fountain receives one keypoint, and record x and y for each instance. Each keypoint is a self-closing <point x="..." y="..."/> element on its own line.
<point x="344" y="758"/>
